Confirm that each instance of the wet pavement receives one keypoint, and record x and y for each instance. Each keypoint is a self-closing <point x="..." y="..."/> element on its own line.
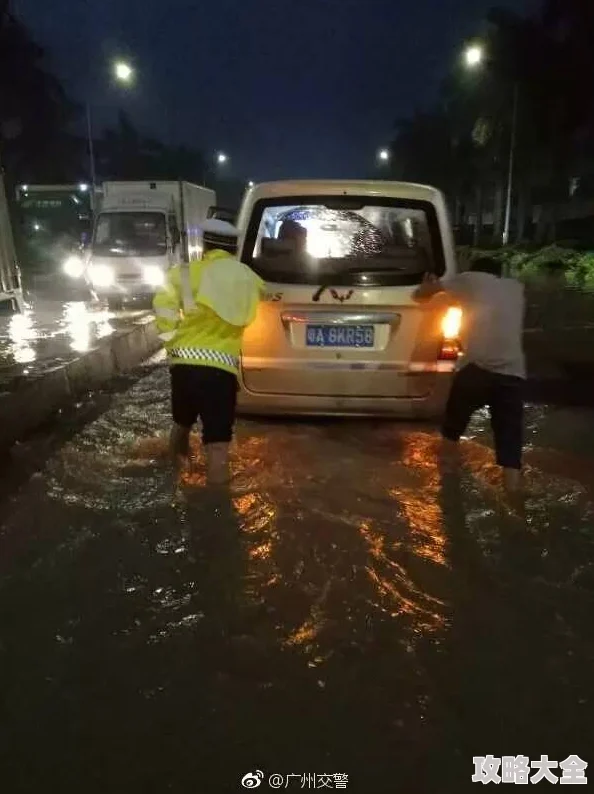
<point x="355" y="608"/>
<point x="51" y="331"/>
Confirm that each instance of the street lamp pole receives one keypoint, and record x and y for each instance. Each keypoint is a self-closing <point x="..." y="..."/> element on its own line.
<point x="474" y="55"/>
<point x="220" y="159"/>
<point x="123" y="73"/>
<point x="93" y="172"/>
<point x="512" y="156"/>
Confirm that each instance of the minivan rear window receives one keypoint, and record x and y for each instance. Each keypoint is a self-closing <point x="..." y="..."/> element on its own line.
<point x="344" y="240"/>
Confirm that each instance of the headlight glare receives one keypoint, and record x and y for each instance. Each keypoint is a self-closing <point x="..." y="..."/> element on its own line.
<point x="101" y="275"/>
<point x="154" y="276"/>
<point x="73" y="267"/>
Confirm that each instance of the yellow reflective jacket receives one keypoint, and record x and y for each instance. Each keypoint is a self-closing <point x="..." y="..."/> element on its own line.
<point x="204" y="308"/>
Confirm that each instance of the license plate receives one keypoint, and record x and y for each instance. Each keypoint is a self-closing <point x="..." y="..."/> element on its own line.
<point x="340" y="336"/>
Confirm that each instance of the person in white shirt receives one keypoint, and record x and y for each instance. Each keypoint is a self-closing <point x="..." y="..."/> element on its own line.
<point x="492" y="370"/>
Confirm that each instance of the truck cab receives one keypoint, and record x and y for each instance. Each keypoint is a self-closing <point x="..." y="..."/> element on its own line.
<point x="135" y="240"/>
<point x="141" y="230"/>
<point x="53" y="221"/>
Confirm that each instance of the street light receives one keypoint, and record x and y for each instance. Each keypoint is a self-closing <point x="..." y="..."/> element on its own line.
<point x="383" y="155"/>
<point x="123" y="73"/>
<point x="251" y="184"/>
<point x="474" y="56"/>
<point x="214" y="161"/>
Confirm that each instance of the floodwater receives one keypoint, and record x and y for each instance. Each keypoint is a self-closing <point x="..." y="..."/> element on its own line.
<point x="49" y="332"/>
<point x="354" y="608"/>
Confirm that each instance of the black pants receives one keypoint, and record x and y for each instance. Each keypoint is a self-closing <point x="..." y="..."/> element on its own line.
<point x="474" y="388"/>
<point x="207" y="393"/>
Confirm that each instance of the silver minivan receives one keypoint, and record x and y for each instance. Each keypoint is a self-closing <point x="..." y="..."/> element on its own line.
<point x="339" y="330"/>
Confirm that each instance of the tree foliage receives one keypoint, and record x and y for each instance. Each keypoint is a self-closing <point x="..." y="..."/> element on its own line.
<point x="463" y="145"/>
<point x="38" y="141"/>
<point x="123" y="152"/>
<point x="35" y="112"/>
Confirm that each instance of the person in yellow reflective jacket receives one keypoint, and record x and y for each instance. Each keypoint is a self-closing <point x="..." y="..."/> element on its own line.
<point x="201" y="314"/>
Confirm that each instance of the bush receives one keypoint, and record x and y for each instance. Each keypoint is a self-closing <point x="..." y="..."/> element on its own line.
<point x="534" y="266"/>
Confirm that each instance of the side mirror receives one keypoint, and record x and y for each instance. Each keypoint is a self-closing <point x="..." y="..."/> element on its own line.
<point x="222" y="214"/>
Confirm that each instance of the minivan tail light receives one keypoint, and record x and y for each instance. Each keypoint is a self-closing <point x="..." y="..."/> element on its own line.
<point x="450" y="350"/>
<point x="451" y="326"/>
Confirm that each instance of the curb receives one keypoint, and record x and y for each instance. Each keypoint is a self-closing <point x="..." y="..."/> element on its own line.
<point x="33" y="401"/>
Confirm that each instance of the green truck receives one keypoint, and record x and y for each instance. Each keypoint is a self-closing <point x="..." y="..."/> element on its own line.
<point x="53" y="221"/>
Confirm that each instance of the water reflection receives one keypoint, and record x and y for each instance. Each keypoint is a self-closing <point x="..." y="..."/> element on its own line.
<point x="83" y="326"/>
<point x="420" y="502"/>
<point x="358" y="595"/>
<point x="21" y="332"/>
<point x="50" y="330"/>
<point x="24" y="354"/>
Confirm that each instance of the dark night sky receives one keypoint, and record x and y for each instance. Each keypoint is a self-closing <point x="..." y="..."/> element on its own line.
<point x="289" y="88"/>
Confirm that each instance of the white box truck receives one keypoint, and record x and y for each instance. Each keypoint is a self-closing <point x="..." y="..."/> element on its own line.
<point x="140" y="231"/>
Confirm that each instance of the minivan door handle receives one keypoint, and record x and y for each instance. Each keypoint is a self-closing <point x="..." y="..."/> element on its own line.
<point x="339" y="317"/>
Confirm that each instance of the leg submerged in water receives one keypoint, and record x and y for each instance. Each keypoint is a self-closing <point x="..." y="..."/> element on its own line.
<point x="217" y="411"/>
<point x="512" y="479"/>
<point x="179" y="443"/>
<point x="217" y="463"/>
<point x="507" y="421"/>
<point x="468" y="394"/>
<point x="184" y="411"/>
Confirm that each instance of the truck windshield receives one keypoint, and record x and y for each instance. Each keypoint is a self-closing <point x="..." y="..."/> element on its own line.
<point x="372" y="241"/>
<point x="130" y="233"/>
<point x="52" y="224"/>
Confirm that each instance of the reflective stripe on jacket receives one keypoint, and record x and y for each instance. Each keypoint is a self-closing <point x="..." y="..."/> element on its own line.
<point x="193" y="332"/>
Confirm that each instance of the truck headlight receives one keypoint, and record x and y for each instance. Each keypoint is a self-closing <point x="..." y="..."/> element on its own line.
<point x="73" y="267"/>
<point x="451" y="325"/>
<point x="154" y="276"/>
<point x="101" y="275"/>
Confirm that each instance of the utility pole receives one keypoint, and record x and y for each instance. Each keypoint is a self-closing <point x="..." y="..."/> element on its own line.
<point x="92" y="169"/>
<point x="510" y="174"/>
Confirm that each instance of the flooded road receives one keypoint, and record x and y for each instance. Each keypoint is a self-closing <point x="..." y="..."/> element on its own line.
<point x="355" y="610"/>
<point x="51" y="331"/>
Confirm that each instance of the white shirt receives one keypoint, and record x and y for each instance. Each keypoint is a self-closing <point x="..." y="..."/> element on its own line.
<point x="493" y="321"/>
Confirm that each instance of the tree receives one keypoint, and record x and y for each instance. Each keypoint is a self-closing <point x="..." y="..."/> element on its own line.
<point x="125" y="153"/>
<point x="570" y="25"/>
<point x="464" y="145"/>
<point x="35" y="111"/>
<point x="424" y="149"/>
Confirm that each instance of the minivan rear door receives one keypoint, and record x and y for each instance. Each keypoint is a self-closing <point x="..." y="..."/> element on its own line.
<point x="339" y="318"/>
